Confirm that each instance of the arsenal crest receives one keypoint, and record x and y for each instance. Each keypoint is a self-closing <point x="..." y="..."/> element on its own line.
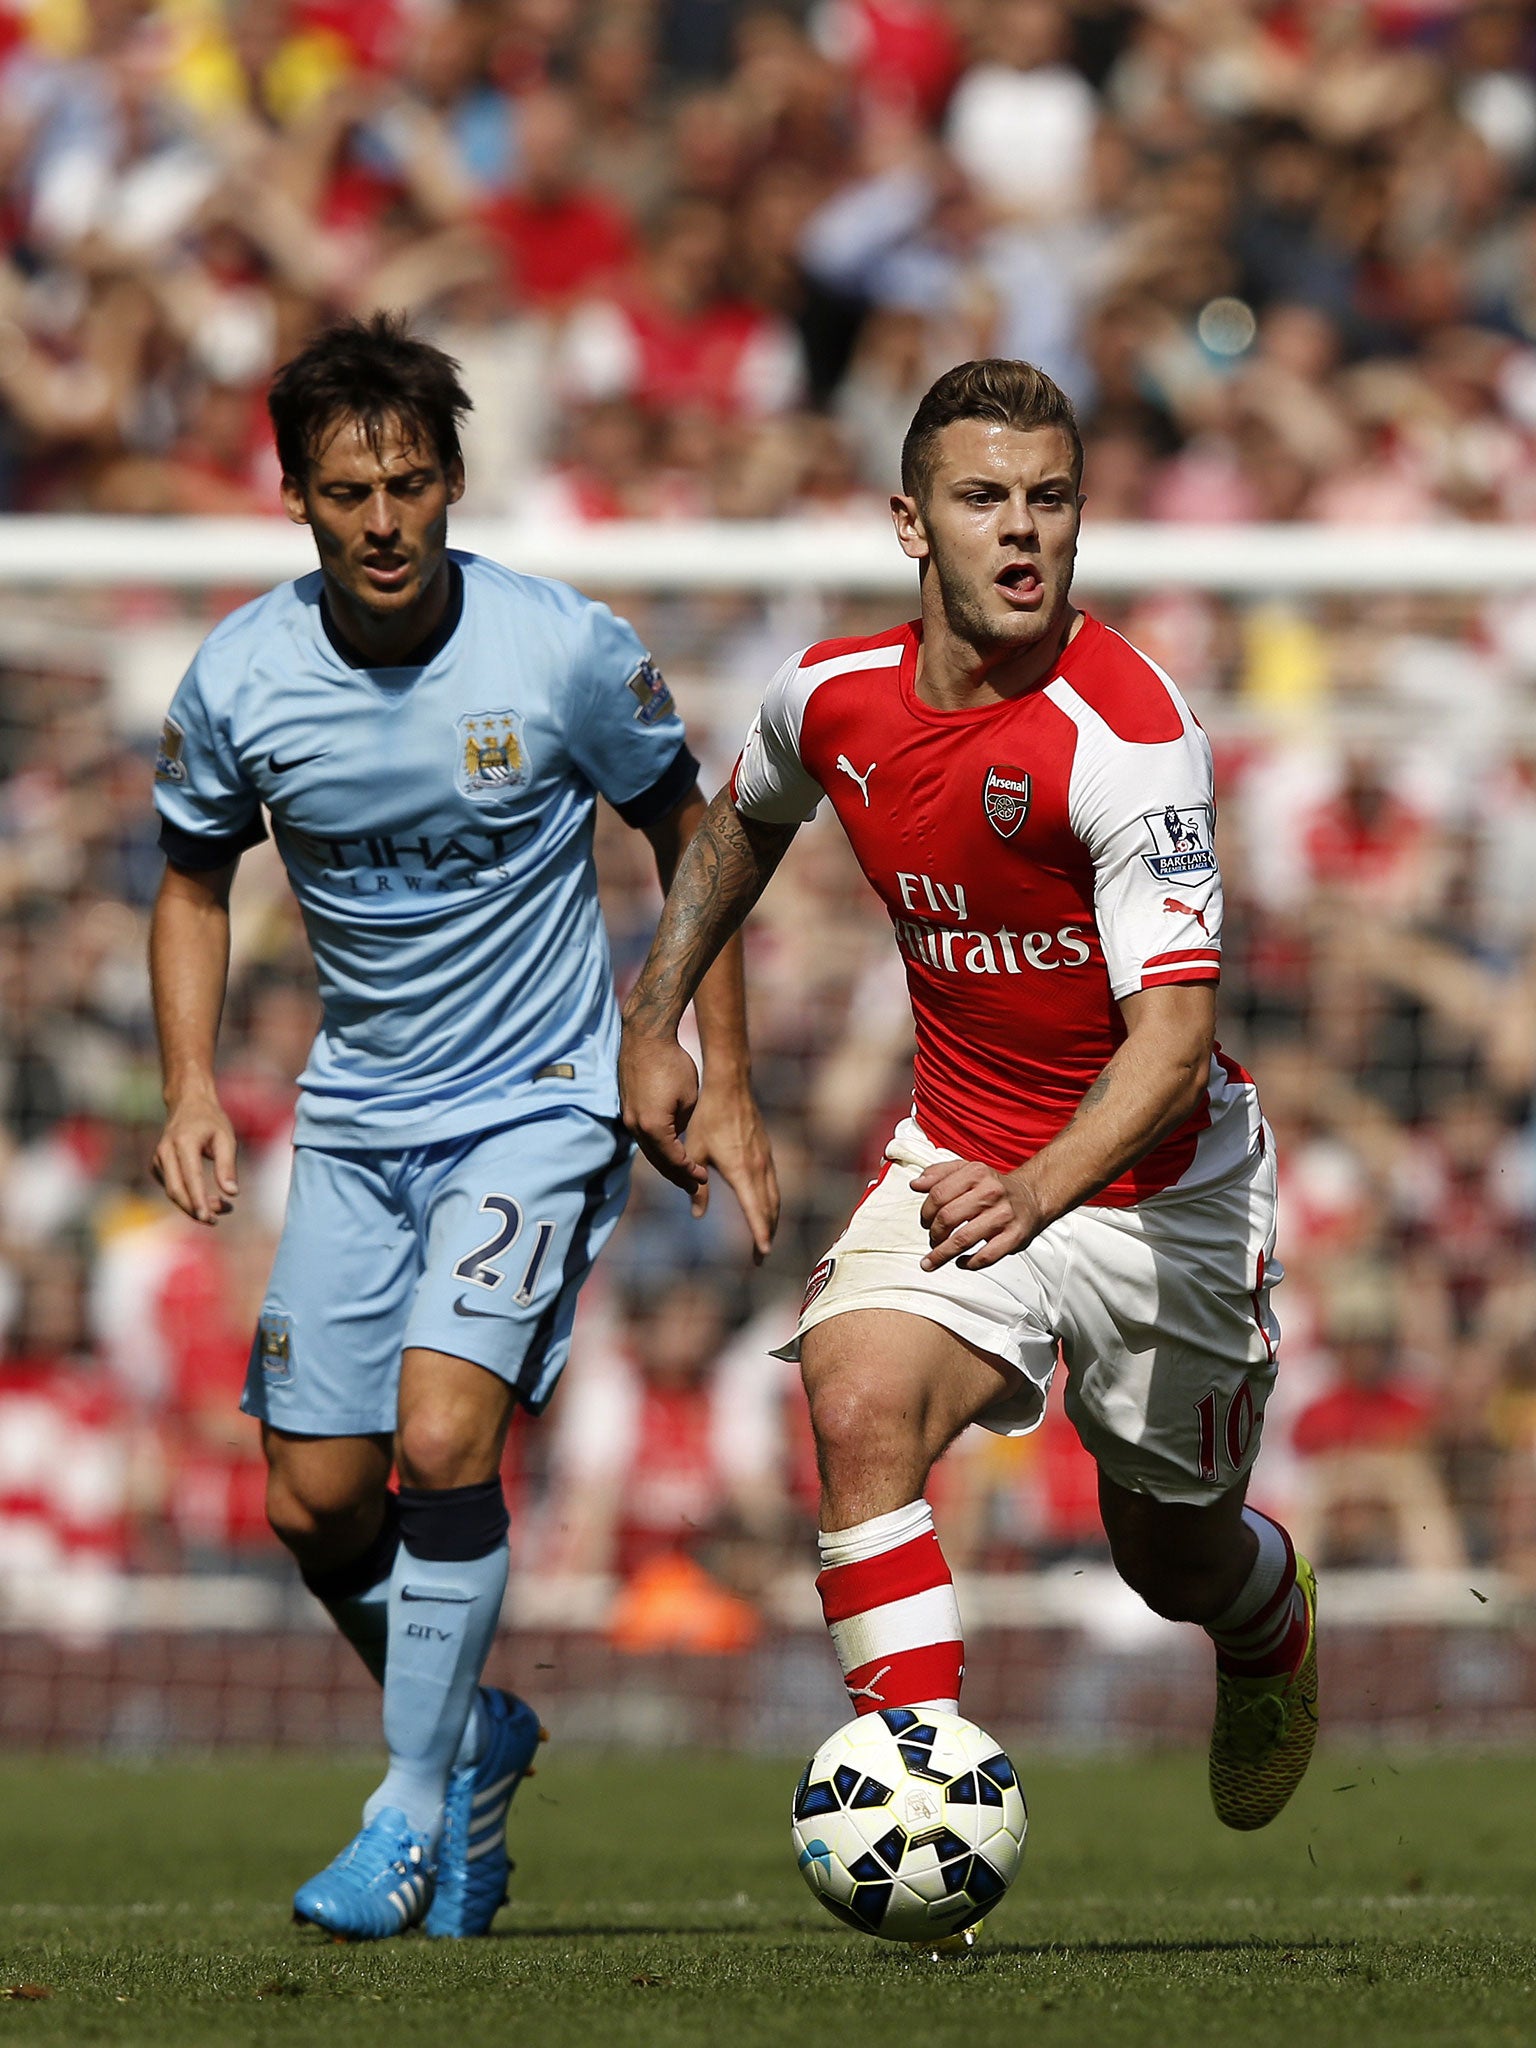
<point x="1005" y="797"/>
<point x="820" y="1275"/>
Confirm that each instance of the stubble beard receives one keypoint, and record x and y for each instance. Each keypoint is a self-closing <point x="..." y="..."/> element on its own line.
<point x="967" y="616"/>
<point x="378" y="605"/>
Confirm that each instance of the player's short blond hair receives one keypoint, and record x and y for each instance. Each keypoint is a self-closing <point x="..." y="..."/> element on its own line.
<point x="1009" y="393"/>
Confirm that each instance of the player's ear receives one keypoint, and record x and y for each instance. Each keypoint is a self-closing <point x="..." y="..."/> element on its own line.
<point x="454" y="475"/>
<point x="294" y="502"/>
<point x="907" y="518"/>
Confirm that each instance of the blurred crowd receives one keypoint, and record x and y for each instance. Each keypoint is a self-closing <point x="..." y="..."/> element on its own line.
<point x="700" y="258"/>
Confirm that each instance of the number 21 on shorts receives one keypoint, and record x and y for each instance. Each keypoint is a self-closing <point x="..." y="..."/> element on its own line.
<point x="476" y="1267"/>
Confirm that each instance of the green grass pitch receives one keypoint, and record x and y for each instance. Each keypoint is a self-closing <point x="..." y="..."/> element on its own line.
<point x="657" y="1902"/>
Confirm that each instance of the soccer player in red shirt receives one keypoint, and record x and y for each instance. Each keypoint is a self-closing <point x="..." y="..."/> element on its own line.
<point x="1083" y="1168"/>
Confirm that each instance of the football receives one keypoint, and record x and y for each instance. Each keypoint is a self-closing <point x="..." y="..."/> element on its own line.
<point x="909" y="1825"/>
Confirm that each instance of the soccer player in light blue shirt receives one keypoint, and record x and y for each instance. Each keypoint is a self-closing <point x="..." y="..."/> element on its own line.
<point x="428" y="733"/>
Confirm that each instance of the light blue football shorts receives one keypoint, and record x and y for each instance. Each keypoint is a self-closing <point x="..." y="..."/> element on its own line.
<point x="476" y="1246"/>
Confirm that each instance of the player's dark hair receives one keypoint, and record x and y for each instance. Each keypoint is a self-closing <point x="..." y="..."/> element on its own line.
<point x="1008" y="393"/>
<point x="374" y="371"/>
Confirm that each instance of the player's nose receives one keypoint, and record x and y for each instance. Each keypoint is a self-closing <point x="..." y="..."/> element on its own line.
<point x="382" y="523"/>
<point x="1018" y="521"/>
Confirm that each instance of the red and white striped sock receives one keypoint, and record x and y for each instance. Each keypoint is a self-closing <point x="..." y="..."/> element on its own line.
<point x="890" y="1604"/>
<point x="1263" y="1634"/>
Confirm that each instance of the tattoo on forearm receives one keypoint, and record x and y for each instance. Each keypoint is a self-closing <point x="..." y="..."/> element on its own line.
<point x="724" y="868"/>
<point x="1094" y="1094"/>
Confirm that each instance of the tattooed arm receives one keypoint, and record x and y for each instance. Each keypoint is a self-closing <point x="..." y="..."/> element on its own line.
<point x="724" y="868"/>
<point x="1148" y="1088"/>
<point x="727" y="1131"/>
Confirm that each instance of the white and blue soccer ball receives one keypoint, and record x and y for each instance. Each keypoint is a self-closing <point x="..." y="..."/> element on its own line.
<point x="909" y="1825"/>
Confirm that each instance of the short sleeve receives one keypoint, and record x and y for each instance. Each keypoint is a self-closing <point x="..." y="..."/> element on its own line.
<point x="770" y="781"/>
<point x="627" y="739"/>
<point x="209" y="813"/>
<point x="1147" y="815"/>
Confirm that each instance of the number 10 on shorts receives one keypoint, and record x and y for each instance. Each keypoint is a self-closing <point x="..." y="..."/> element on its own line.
<point x="1236" y="1432"/>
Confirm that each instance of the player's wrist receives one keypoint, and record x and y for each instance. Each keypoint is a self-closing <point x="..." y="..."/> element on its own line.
<point x="189" y="1088"/>
<point x="645" y="1022"/>
<point x="1032" y="1203"/>
<point x="725" y="1071"/>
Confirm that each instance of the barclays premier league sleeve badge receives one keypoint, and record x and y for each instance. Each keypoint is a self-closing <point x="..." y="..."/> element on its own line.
<point x="169" y="766"/>
<point x="648" y="687"/>
<point x="1181" y="843"/>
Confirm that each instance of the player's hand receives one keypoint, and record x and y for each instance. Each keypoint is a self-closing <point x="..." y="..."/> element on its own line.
<point x="974" y="1214"/>
<point x="195" y="1159"/>
<point x="658" y="1091"/>
<point x="727" y="1133"/>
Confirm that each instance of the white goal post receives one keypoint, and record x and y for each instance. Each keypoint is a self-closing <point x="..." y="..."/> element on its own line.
<point x="857" y="556"/>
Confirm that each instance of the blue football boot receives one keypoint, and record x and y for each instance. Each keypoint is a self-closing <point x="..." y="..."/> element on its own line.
<point x="472" y="1862"/>
<point x="379" y="1885"/>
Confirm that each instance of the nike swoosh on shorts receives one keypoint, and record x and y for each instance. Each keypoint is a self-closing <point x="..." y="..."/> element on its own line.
<point x="462" y="1308"/>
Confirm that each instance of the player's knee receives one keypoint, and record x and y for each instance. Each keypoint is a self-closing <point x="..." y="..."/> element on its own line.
<point x="855" y="1419"/>
<point x="1178" y="1592"/>
<point x="434" y="1450"/>
<point x="317" y="1515"/>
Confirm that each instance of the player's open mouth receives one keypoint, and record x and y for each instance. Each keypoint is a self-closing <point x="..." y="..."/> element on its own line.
<point x="1021" y="583"/>
<point x="386" y="572"/>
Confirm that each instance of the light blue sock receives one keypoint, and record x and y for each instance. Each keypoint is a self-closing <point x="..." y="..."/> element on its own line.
<point x="442" y="1615"/>
<point x="356" y="1596"/>
<point x="363" y="1619"/>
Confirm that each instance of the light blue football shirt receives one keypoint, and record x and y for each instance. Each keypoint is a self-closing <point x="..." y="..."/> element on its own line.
<point x="436" y="822"/>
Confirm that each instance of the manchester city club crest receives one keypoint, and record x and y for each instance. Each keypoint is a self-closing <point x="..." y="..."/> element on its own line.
<point x="492" y="758"/>
<point x="1005" y="796"/>
<point x="274" y="1342"/>
<point x="1181" y="843"/>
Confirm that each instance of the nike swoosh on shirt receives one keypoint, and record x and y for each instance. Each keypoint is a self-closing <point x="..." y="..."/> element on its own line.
<point x="302" y="761"/>
<point x="448" y="1599"/>
<point x="462" y="1308"/>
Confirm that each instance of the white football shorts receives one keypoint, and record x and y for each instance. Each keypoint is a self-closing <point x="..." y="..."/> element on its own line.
<point x="1160" y="1312"/>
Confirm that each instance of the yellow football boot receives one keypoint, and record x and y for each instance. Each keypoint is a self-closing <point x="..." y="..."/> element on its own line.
<point x="1262" y="1740"/>
<point x="951" y="1944"/>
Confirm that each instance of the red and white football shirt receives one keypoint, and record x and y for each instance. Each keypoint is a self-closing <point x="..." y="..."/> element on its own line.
<point x="1039" y="859"/>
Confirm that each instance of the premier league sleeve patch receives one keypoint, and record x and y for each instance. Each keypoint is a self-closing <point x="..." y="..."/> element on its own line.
<point x="648" y="687"/>
<point x="169" y="766"/>
<point x="1181" y="843"/>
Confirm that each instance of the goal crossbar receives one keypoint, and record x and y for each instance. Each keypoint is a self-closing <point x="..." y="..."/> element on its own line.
<point x="854" y="555"/>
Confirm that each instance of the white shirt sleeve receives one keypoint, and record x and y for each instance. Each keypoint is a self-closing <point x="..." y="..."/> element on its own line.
<point x="770" y="781"/>
<point x="1146" y="814"/>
